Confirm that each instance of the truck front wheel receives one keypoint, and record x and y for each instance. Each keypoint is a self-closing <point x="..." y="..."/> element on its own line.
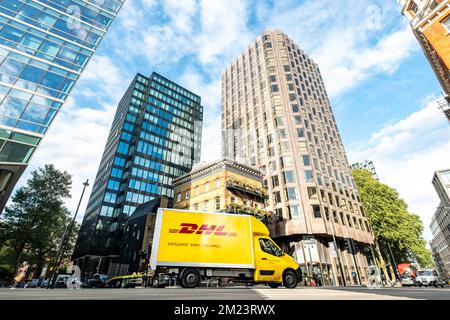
<point x="190" y="278"/>
<point x="290" y="279"/>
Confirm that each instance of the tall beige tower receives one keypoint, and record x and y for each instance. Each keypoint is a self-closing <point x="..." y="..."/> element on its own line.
<point x="276" y="113"/>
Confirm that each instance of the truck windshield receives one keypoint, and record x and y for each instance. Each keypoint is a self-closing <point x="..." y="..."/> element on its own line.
<point x="267" y="246"/>
<point x="426" y="273"/>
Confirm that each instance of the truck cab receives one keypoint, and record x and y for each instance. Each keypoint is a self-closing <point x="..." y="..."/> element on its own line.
<point x="428" y="278"/>
<point x="273" y="266"/>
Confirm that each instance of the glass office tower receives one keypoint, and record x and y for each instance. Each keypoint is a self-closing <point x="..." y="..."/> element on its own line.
<point x="155" y="137"/>
<point x="44" y="47"/>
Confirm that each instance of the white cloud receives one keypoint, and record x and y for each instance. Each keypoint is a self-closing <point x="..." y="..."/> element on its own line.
<point x="352" y="48"/>
<point x="210" y="93"/>
<point x="75" y="144"/>
<point x="223" y="30"/>
<point x="406" y="155"/>
<point x="181" y="13"/>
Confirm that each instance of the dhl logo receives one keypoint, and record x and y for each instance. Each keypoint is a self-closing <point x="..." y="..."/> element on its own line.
<point x="205" y="229"/>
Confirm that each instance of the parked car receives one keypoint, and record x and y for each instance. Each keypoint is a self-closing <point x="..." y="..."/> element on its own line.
<point x="127" y="281"/>
<point x="407" y="280"/>
<point x="98" y="280"/>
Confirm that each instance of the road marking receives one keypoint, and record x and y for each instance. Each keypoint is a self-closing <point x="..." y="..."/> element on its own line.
<point x="323" y="294"/>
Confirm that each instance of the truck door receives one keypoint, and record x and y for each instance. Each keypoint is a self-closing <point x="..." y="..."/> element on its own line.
<point x="267" y="260"/>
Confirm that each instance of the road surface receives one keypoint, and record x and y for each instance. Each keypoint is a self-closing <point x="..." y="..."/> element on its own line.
<point x="241" y="293"/>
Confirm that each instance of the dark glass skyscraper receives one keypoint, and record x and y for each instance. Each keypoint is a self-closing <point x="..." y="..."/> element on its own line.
<point x="155" y="137"/>
<point x="44" y="47"/>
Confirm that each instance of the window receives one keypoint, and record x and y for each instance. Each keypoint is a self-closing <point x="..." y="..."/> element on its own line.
<point x="217" y="184"/>
<point x="295" y="211"/>
<point x="269" y="247"/>
<point x="286" y="161"/>
<point x="205" y="205"/>
<point x="309" y="176"/>
<point x="289" y="177"/>
<point x="294" y="108"/>
<point x="277" y="196"/>
<point x="312" y="193"/>
<point x="275" y="181"/>
<point x="195" y="206"/>
<point x="446" y="23"/>
<point x="179" y="197"/>
<point x="316" y="211"/>
<point x="207" y="187"/>
<point x="217" y="203"/>
<point x="188" y="195"/>
<point x="291" y="194"/>
<point x="306" y="161"/>
<point x="300" y="133"/>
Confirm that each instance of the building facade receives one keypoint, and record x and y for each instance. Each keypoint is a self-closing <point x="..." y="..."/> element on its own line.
<point x="44" y="48"/>
<point x="276" y="113"/>
<point x="137" y="241"/>
<point x="367" y="165"/>
<point x="221" y="186"/>
<point x="430" y="22"/>
<point x="155" y="137"/>
<point x="440" y="223"/>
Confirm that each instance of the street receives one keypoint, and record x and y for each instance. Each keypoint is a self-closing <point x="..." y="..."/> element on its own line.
<point x="241" y="293"/>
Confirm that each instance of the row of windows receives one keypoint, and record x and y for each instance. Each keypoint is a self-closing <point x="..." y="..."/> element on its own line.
<point x="38" y="44"/>
<point x="50" y="20"/>
<point x="205" y="186"/>
<point x="173" y="94"/>
<point x="151" y="176"/>
<point x="169" y="116"/>
<point x="88" y="12"/>
<point x="158" y="166"/>
<point x="137" y="198"/>
<point x="206" y="206"/>
<point x="177" y="88"/>
<point x="41" y="77"/>
<point x="164" y="106"/>
<point x="166" y="99"/>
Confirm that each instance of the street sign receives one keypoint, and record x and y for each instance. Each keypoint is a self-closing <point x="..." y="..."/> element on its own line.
<point x="333" y="251"/>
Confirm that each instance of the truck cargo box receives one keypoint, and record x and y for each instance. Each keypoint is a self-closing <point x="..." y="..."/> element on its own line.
<point x="196" y="239"/>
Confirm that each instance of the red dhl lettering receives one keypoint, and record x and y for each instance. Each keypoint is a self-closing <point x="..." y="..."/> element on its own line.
<point x="204" y="229"/>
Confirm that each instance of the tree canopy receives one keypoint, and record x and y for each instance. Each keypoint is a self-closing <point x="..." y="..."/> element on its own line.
<point x="392" y="224"/>
<point x="36" y="219"/>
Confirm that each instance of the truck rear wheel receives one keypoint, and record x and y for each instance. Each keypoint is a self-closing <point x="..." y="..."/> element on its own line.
<point x="190" y="278"/>
<point x="290" y="279"/>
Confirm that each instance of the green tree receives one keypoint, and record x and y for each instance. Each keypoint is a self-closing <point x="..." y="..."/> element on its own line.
<point x="393" y="226"/>
<point x="36" y="219"/>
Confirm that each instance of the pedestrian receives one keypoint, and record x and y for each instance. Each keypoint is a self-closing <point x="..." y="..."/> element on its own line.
<point x="21" y="274"/>
<point x="383" y="279"/>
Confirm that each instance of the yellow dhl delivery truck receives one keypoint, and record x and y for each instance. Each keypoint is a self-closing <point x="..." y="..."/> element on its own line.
<point x="195" y="246"/>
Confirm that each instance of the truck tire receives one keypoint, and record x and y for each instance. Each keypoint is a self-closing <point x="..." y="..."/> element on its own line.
<point x="190" y="278"/>
<point x="290" y="279"/>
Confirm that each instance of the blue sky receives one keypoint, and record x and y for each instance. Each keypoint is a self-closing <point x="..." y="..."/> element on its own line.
<point x="380" y="84"/>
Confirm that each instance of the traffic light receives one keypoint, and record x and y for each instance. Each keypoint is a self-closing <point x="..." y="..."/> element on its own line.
<point x="348" y="245"/>
<point x="351" y="246"/>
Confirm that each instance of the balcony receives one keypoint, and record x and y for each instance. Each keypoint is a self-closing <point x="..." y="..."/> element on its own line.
<point x="444" y="105"/>
<point x="247" y="190"/>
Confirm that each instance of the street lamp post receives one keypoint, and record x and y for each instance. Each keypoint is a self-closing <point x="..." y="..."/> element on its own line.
<point x="65" y="239"/>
